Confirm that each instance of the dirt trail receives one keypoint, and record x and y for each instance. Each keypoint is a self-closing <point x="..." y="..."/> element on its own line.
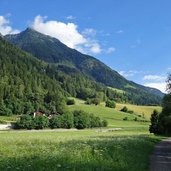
<point x="161" y="158"/>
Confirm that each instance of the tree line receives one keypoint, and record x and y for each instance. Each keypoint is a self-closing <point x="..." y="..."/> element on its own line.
<point x="161" y="122"/>
<point x="76" y="119"/>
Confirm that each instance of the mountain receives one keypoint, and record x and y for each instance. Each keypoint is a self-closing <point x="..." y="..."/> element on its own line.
<point x="51" y="50"/>
<point x="28" y="84"/>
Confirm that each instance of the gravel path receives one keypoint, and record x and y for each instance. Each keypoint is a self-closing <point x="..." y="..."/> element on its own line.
<point x="5" y="126"/>
<point x="161" y="158"/>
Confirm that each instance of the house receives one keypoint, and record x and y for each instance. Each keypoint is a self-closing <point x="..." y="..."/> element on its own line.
<point x="38" y="113"/>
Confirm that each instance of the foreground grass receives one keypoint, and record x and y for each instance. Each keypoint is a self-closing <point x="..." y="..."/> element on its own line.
<point x="79" y="150"/>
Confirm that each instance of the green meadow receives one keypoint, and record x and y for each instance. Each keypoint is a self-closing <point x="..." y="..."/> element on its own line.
<point x="125" y="149"/>
<point x="115" y="116"/>
<point x="84" y="150"/>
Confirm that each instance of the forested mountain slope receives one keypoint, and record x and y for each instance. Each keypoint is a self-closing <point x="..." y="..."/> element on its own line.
<point x="28" y="84"/>
<point x="53" y="51"/>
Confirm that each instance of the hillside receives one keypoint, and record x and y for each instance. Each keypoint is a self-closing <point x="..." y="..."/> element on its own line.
<point x="28" y="84"/>
<point x="66" y="59"/>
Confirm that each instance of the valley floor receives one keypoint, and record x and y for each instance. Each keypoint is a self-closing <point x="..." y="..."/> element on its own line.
<point x="125" y="145"/>
<point x="92" y="149"/>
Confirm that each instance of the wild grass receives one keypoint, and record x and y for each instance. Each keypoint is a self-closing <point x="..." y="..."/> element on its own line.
<point x="85" y="150"/>
<point x="113" y="116"/>
<point x="140" y="110"/>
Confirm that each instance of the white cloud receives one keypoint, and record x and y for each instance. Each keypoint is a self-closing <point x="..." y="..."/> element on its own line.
<point x="130" y="73"/>
<point x="110" y="50"/>
<point x="160" y="86"/>
<point x="89" y="32"/>
<point x="155" y="78"/>
<point x="5" y="28"/>
<point x="68" y="34"/>
<point x="70" y="17"/>
<point x="155" y="81"/>
<point x="95" y="48"/>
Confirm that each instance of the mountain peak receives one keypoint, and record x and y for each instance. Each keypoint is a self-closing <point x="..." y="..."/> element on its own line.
<point x="29" y="29"/>
<point x="51" y="50"/>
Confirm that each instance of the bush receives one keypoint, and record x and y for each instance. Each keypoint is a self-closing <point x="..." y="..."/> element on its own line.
<point x="124" y="109"/>
<point x="25" y="122"/>
<point x="94" y="121"/>
<point x="84" y="120"/>
<point x="135" y="119"/>
<point x="110" y="104"/>
<point x="67" y="120"/>
<point x="95" y="101"/>
<point x="70" y="102"/>
<point x="77" y="119"/>
<point x="88" y="101"/>
<point x="41" y="122"/>
<point x="125" y="118"/>
<point x="81" y="120"/>
<point x="104" y="123"/>
<point x="56" y="122"/>
<point x="130" y="111"/>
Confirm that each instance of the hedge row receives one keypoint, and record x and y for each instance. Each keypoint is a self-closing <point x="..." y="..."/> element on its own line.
<point x="77" y="119"/>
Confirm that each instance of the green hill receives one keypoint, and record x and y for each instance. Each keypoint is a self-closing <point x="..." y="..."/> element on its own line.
<point x="28" y="84"/>
<point x="69" y="60"/>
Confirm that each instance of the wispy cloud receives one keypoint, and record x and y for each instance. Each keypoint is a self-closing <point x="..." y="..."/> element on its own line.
<point x="155" y="81"/>
<point x="70" y="17"/>
<point x="155" y="78"/>
<point x="5" y="27"/>
<point x="160" y="86"/>
<point x="129" y="73"/>
<point x="89" y="32"/>
<point x="110" y="50"/>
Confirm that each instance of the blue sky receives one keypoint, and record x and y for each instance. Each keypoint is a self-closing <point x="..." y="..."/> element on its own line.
<point x="133" y="37"/>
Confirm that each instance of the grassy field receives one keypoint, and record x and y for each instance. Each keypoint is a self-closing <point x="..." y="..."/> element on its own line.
<point x="142" y="110"/>
<point x="84" y="150"/>
<point x="115" y="116"/>
<point x="127" y="149"/>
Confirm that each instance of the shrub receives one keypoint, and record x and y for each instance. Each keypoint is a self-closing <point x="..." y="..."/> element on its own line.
<point x="88" y="101"/>
<point x="81" y="120"/>
<point x="56" y="122"/>
<point x="125" y="118"/>
<point x="70" y="102"/>
<point x="94" y="121"/>
<point x="67" y="120"/>
<point x="41" y="122"/>
<point x="95" y="101"/>
<point x="110" y="104"/>
<point x="104" y="123"/>
<point x="124" y="109"/>
<point x="84" y="120"/>
<point x="130" y="111"/>
<point x="135" y="119"/>
<point x="25" y="122"/>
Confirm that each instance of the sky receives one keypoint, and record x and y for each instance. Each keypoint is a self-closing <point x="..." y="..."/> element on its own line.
<point x="132" y="37"/>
